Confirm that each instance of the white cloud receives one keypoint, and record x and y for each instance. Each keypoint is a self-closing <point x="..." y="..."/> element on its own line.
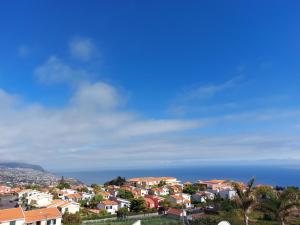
<point x="208" y="91"/>
<point x="200" y="99"/>
<point x="82" y="48"/>
<point x="55" y="70"/>
<point x="93" y="132"/>
<point x="85" y="129"/>
<point x="98" y="95"/>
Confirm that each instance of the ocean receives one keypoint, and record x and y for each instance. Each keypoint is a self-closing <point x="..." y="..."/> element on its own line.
<point x="280" y="176"/>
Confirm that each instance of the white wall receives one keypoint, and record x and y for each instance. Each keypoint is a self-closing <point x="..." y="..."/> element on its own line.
<point x="18" y="222"/>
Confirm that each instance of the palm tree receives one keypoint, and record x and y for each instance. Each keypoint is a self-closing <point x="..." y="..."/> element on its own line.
<point x="245" y="198"/>
<point x="280" y="204"/>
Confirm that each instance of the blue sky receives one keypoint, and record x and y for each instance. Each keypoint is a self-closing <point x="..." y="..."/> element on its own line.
<point x="149" y="83"/>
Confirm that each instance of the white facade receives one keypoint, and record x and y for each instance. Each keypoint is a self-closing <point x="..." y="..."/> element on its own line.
<point x="121" y="202"/>
<point x="70" y="208"/>
<point x="39" y="199"/>
<point x="17" y="222"/>
<point x="225" y="193"/>
<point x="109" y="207"/>
<point x="44" y="222"/>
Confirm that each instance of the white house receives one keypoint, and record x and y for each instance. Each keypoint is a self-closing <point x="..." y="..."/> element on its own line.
<point x="65" y="206"/>
<point x="150" y="181"/>
<point x="87" y="196"/>
<point x="227" y="193"/>
<point x="121" y="202"/>
<point x="39" y="199"/>
<point x="35" y="198"/>
<point x="110" y="206"/>
<point x="17" y="216"/>
<point x="181" y="199"/>
<point x="202" y="196"/>
<point x="161" y="191"/>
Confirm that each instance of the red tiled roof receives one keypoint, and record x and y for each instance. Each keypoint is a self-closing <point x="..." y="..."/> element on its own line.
<point x="109" y="202"/>
<point x="7" y="215"/>
<point x="41" y="214"/>
<point x="175" y="212"/>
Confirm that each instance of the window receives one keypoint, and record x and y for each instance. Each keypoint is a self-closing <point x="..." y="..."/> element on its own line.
<point x="54" y="222"/>
<point x="12" y="223"/>
<point x="48" y="222"/>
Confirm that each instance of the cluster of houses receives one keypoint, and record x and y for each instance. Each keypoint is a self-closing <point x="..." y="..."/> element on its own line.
<point x="47" y="208"/>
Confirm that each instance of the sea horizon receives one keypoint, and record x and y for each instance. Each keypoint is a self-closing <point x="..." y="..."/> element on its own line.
<point x="266" y="175"/>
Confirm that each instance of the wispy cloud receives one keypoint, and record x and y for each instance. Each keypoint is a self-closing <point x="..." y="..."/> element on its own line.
<point x="208" y="91"/>
<point x="55" y="70"/>
<point x="200" y="99"/>
<point x="82" y="49"/>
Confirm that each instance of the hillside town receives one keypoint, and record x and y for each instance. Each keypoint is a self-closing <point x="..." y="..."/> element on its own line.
<point x="120" y="198"/>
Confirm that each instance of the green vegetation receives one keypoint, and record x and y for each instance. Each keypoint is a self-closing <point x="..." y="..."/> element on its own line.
<point x="125" y="194"/>
<point x="137" y="205"/>
<point x="280" y="204"/>
<point x="95" y="200"/>
<point x="63" y="184"/>
<point x="189" y="189"/>
<point x="96" y="188"/>
<point x="245" y="198"/>
<point x="122" y="213"/>
<point x="145" y="221"/>
<point x="72" y="219"/>
<point x="119" y="181"/>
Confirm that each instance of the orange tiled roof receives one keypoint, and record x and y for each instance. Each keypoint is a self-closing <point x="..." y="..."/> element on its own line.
<point x="41" y="214"/>
<point x="173" y="211"/>
<point x="104" y="193"/>
<point x="149" y="179"/>
<point x="177" y="197"/>
<point x="109" y="202"/>
<point x="7" y="215"/>
<point x="58" y="203"/>
<point x="75" y="195"/>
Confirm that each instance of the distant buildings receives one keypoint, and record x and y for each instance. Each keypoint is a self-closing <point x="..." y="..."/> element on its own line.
<point x="5" y="190"/>
<point x="150" y="181"/>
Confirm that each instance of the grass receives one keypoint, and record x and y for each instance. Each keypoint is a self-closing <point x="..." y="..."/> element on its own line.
<point x="146" y="221"/>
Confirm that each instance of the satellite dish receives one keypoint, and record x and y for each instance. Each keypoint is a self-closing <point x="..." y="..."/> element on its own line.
<point x="224" y="223"/>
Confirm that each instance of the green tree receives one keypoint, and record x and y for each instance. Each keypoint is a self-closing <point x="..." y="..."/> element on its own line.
<point x="125" y="194"/>
<point x="63" y="186"/>
<point x="137" y="205"/>
<point x="83" y="203"/>
<point x="95" y="200"/>
<point x="189" y="189"/>
<point x="200" y="187"/>
<point x="103" y="212"/>
<point x="71" y="219"/>
<point x="119" y="181"/>
<point x="245" y="198"/>
<point x="122" y="213"/>
<point x="96" y="188"/>
<point x="161" y="183"/>
<point x="279" y="204"/>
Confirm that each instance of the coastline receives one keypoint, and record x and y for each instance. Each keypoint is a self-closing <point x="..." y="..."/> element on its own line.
<point x="269" y="175"/>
